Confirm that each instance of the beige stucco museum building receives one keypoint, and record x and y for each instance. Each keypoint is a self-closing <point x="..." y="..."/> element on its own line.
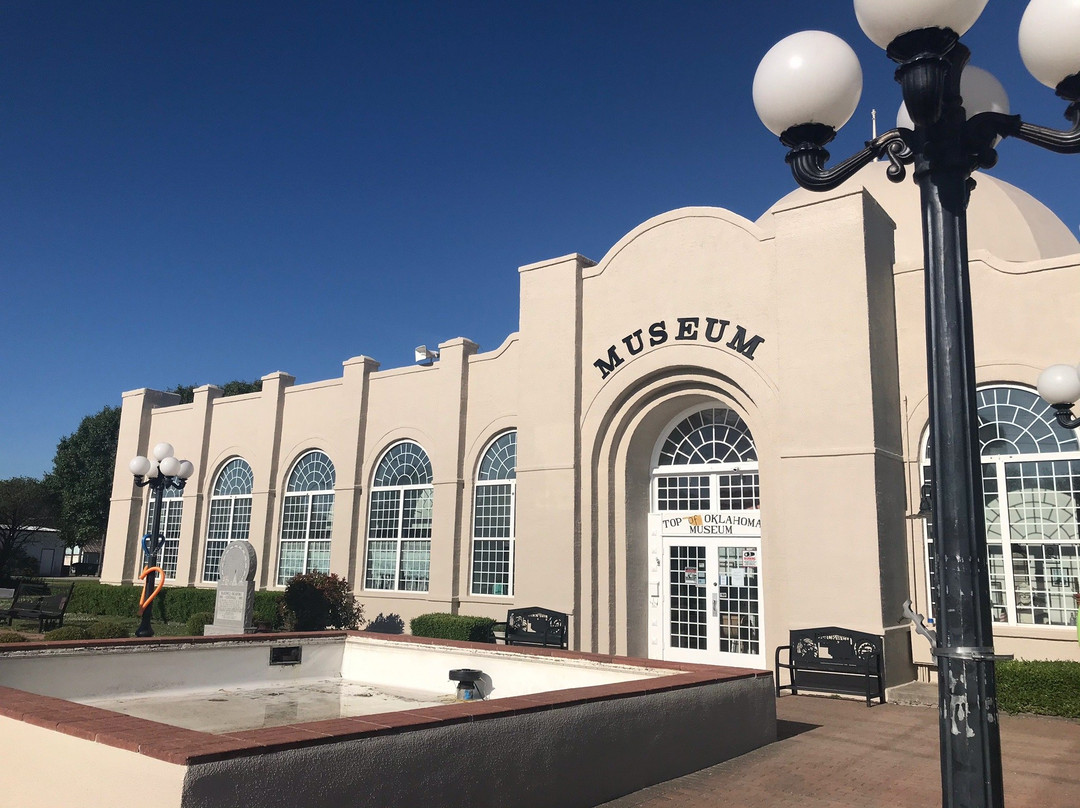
<point x="713" y="435"/>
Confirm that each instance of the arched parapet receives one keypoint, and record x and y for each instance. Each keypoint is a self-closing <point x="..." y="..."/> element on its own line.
<point x="655" y="227"/>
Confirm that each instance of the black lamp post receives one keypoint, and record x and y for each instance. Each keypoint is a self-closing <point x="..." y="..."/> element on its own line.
<point x="164" y="471"/>
<point x="807" y="87"/>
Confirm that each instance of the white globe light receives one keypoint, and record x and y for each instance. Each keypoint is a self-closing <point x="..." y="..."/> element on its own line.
<point x="1050" y="39"/>
<point x="139" y="465"/>
<point x="884" y="20"/>
<point x="808" y="77"/>
<point x="170" y="466"/>
<point x="187" y="468"/>
<point x="1059" y="384"/>
<point x="162" y="450"/>
<point x="153" y="470"/>
<point x="980" y="90"/>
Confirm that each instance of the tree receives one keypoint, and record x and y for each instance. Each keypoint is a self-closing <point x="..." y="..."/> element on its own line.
<point x="25" y="504"/>
<point x="82" y="477"/>
<point x="236" y="387"/>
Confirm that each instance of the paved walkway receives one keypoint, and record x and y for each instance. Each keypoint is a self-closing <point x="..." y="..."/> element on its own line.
<point x="834" y="753"/>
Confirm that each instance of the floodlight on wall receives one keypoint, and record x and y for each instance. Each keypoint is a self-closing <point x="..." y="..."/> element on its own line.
<point x="425" y="356"/>
<point x="926" y="508"/>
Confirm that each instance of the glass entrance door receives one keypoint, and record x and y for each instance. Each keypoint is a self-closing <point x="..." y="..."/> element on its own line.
<point x="738" y="604"/>
<point x="711" y="603"/>
<point x="687" y="596"/>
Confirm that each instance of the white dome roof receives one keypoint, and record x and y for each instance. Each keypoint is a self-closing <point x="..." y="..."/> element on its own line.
<point x="1003" y="220"/>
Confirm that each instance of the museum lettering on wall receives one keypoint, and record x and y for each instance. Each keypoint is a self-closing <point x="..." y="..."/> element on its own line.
<point x="685" y="329"/>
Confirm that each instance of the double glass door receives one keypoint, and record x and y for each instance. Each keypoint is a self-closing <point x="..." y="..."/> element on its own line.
<point x="712" y="604"/>
<point x="706" y="600"/>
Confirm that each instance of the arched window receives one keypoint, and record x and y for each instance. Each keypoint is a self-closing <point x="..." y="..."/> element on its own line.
<point x="708" y="462"/>
<point x="1031" y="490"/>
<point x="307" y="518"/>
<point x="399" y="521"/>
<point x="230" y="514"/>
<point x="172" y="510"/>
<point x="493" y="519"/>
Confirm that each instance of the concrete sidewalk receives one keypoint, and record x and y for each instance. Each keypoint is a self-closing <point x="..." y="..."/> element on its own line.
<point x="834" y="753"/>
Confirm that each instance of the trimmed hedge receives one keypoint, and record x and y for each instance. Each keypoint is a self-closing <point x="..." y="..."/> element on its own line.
<point x="90" y="597"/>
<point x="197" y="622"/>
<point x="67" y="633"/>
<point x="174" y="604"/>
<point x="1043" y="687"/>
<point x="453" y="627"/>
<point x="266" y="611"/>
<point x="107" y="630"/>
<point x="12" y="636"/>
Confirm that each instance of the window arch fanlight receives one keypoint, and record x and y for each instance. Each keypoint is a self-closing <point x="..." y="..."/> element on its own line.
<point x="1031" y="492"/>
<point x="172" y="512"/>
<point x="307" y="517"/>
<point x="714" y="435"/>
<point x="399" y="521"/>
<point x="707" y="461"/>
<point x="493" y="518"/>
<point x="230" y="514"/>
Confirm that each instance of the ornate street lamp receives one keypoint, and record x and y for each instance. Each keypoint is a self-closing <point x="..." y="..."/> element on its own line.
<point x="805" y="89"/>
<point x="163" y="471"/>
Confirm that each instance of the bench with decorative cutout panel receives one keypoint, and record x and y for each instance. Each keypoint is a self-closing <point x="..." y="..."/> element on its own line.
<point x="833" y="660"/>
<point x="534" y="625"/>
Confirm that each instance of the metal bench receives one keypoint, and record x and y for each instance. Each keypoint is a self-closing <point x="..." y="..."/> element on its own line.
<point x="38" y="602"/>
<point x="536" y="626"/>
<point x="833" y="660"/>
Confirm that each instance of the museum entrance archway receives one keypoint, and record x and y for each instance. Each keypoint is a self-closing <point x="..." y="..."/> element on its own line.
<point x="704" y="550"/>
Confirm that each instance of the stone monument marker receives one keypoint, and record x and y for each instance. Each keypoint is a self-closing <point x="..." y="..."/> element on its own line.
<point x="235" y="591"/>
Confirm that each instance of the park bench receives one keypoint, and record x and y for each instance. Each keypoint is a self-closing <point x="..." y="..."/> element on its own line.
<point x="534" y="626"/>
<point x="833" y="660"/>
<point x="39" y="602"/>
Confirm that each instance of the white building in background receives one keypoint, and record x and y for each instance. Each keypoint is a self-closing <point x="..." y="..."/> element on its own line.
<point x="710" y="437"/>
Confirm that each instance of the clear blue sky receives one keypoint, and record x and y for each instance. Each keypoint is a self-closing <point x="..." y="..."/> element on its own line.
<point x="198" y="191"/>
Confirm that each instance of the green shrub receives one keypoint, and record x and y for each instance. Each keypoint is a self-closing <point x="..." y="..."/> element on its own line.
<point x="107" y="630"/>
<point x="453" y="627"/>
<point x="179" y="603"/>
<point x="12" y="636"/>
<point x="1043" y="687"/>
<point x="315" y="601"/>
<point x="107" y="600"/>
<point x="68" y="633"/>
<point x="267" y="609"/>
<point x="197" y="622"/>
<point x="173" y="604"/>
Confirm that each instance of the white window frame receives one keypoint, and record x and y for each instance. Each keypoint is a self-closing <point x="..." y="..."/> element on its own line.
<point x="510" y="483"/>
<point x="172" y="514"/>
<point x="421" y="483"/>
<point x="298" y="492"/>
<point x="233" y="478"/>
<point x="1002" y="573"/>
<point x="745" y="464"/>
